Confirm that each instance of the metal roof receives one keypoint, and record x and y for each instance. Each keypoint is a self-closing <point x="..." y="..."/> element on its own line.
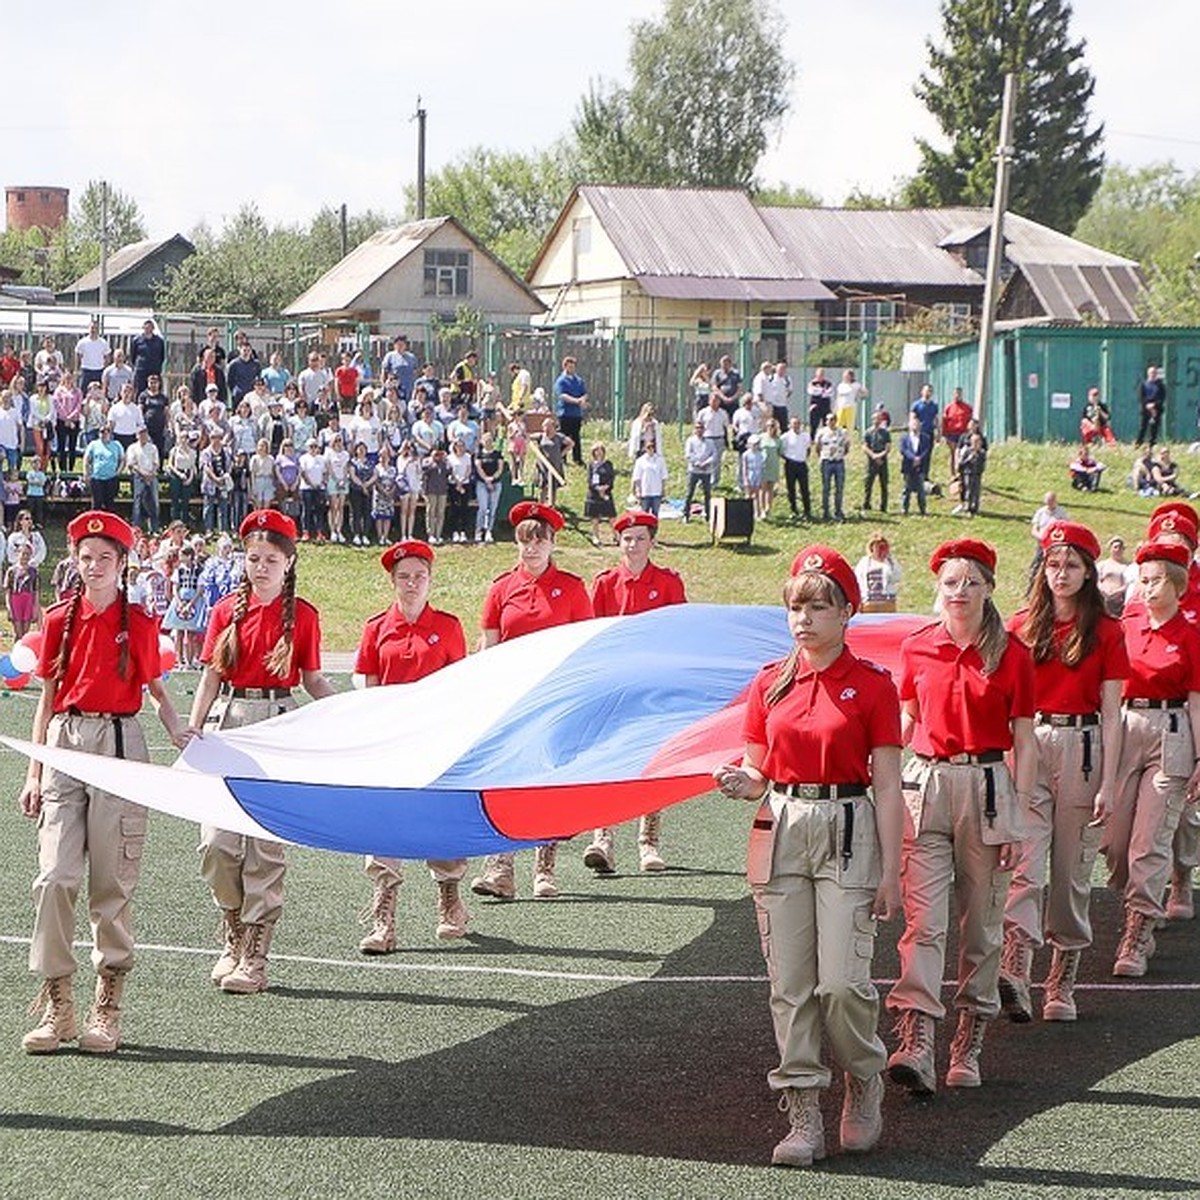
<point x="903" y="247"/>
<point x="341" y="286"/>
<point x="695" y="233"/>
<point x="1068" y="292"/>
<point x="692" y="287"/>
<point x="122" y="262"/>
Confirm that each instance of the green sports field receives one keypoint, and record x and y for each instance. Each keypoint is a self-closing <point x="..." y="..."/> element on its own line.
<point x="610" y="1043"/>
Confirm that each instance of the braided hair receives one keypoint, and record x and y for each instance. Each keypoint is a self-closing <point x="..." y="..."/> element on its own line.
<point x="278" y="659"/>
<point x="76" y="596"/>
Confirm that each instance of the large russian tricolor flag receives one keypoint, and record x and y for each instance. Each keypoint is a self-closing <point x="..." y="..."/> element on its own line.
<point x="536" y="739"/>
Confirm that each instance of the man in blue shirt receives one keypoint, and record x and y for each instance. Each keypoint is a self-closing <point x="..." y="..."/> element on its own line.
<point x="401" y="363"/>
<point x="570" y="403"/>
<point x="149" y="353"/>
<point x="925" y="409"/>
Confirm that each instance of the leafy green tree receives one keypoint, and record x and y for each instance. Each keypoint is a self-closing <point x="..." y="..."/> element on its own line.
<point x="1058" y="155"/>
<point x="257" y="269"/>
<point x="709" y="85"/>
<point x="785" y="195"/>
<point x="507" y="200"/>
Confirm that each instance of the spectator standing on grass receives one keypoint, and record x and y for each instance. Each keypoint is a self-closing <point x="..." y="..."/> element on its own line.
<point x="242" y="374"/>
<point x="794" y="446"/>
<point x="337" y="486"/>
<point x="822" y="763"/>
<point x="820" y="392"/>
<point x="142" y="463"/>
<point x="833" y="444"/>
<point x="701" y="385"/>
<point x="925" y="409"/>
<point x="849" y="393"/>
<point x="534" y="595"/>
<point x="634" y="585"/>
<point x="1080" y="665"/>
<point x="599" y="504"/>
<point x="98" y="653"/>
<point x="716" y="422"/>
<point x="435" y="486"/>
<point x="972" y="462"/>
<point x="877" y="445"/>
<point x="68" y="416"/>
<point x="727" y="380"/>
<point x="92" y="352"/>
<point x="570" y="406"/>
<point x="1152" y="400"/>
<point x="149" y="354"/>
<point x="312" y="492"/>
<point x="699" y="459"/>
<point x="489" y="475"/>
<point x="401" y="364"/>
<point x="362" y="475"/>
<point x="102" y="462"/>
<point x="182" y="466"/>
<point x="460" y="490"/>
<point x="409" y="641"/>
<point x="777" y="393"/>
<point x="22" y="588"/>
<point x="262" y="642"/>
<point x="967" y="810"/>
<point x="955" y="422"/>
<point x="650" y="476"/>
<point x="554" y="447"/>
<point x="914" y="449"/>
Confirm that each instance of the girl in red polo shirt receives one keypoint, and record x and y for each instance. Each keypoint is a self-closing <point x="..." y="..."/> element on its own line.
<point x="97" y="654"/>
<point x="1158" y="774"/>
<point x="634" y="585"/>
<point x="534" y="595"/>
<point x="966" y="691"/>
<point x="262" y="641"/>
<point x="1079" y="667"/>
<point x="407" y="642"/>
<point x="821" y="728"/>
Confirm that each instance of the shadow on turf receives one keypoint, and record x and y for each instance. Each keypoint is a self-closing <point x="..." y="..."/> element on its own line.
<point x="676" y="1071"/>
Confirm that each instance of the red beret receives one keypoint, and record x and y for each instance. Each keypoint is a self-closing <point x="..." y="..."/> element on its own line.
<point x="531" y="510"/>
<point x="971" y="548"/>
<point x="1070" y="533"/>
<point x="825" y="560"/>
<point x="409" y="548"/>
<point x="1167" y="551"/>
<point x="96" y="523"/>
<point x="626" y="519"/>
<point x="1170" y="521"/>
<point x="268" y="520"/>
<point x="1178" y="506"/>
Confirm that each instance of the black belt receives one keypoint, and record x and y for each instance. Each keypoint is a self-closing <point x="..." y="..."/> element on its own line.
<point x="240" y="693"/>
<point x="820" y="791"/>
<point x="964" y="760"/>
<point x="1141" y="702"/>
<point x="1068" y="720"/>
<point x="115" y="718"/>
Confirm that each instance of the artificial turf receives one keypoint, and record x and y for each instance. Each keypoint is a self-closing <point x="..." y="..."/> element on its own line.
<point x="611" y="1043"/>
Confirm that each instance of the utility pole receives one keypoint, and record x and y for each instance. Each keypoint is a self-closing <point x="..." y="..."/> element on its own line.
<point x="419" y="117"/>
<point x="991" y="287"/>
<point x="103" y="243"/>
<point x="345" y="232"/>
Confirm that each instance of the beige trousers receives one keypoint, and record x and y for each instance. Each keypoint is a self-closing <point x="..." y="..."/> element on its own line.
<point x="1156" y="760"/>
<point x="818" y="937"/>
<point x="390" y="871"/>
<point x="79" y="823"/>
<point x="945" y="847"/>
<point x="245" y="874"/>
<point x="1060" y="832"/>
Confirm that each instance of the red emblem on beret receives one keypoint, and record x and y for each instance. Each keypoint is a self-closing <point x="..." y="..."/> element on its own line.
<point x="825" y="560"/>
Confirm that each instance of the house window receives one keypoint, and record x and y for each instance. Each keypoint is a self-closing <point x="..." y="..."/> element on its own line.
<point x="704" y="326"/>
<point x="20" y="197"/>
<point x="864" y="316"/>
<point x="45" y="197"/>
<point x="447" y="273"/>
<point x="953" y="315"/>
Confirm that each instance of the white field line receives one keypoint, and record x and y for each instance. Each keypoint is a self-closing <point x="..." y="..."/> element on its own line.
<point x="421" y="968"/>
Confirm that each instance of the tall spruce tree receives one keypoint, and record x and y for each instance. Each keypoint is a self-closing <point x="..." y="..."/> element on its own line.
<point x="1058" y="159"/>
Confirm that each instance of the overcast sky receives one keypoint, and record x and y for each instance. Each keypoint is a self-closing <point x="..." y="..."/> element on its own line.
<point x="197" y="110"/>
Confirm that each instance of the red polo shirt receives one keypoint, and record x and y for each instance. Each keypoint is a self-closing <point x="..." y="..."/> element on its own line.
<point x="826" y="724"/>
<point x="960" y="709"/>
<point x="617" y="592"/>
<point x="258" y="632"/>
<point x="92" y="683"/>
<point x="518" y="603"/>
<point x="399" y="651"/>
<point x="1061" y="689"/>
<point x="1164" y="663"/>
